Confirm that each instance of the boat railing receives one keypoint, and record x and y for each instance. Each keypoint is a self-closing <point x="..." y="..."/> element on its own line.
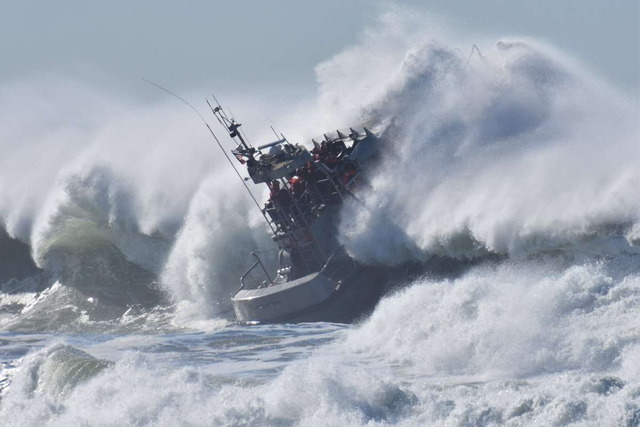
<point x="258" y="281"/>
<point x="360" y="132"/>
<point x="327" y="190"/>
<point x="303" y="208"/>
<point x="337" y="269"/>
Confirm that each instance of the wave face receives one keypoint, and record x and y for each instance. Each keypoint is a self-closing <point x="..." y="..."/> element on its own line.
<point x="511" y="174"/>
<point x="516" y="343"/>
<point x="515" y="151"/>
<point x="95" y="212"/>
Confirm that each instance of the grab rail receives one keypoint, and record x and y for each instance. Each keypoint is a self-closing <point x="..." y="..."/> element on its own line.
<point x="336" y="269"/>
<point x="255" y="264"/>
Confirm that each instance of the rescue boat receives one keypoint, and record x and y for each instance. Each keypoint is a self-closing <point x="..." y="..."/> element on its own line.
<point x="315" y="279"/>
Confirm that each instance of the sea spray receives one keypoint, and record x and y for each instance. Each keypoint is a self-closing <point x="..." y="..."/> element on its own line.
<point x="516" y="158"/>
<point x="510" y="320"/>
<point x="222" y="228"/>
<point x="102" y="210"/>
<point x="542" y="342"/>
<point x="515" y="152"/>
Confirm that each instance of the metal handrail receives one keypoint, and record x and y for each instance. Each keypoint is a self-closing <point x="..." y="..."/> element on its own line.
<point x="330" y="258"/>
<point x="255" y="264"/>
<point x="322" y="271"/>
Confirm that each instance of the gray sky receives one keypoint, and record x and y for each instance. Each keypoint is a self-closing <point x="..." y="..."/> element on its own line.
<point x="184" y="43"/>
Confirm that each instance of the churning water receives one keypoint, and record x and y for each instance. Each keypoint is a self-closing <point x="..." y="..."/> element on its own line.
<point x="123" y="234"/>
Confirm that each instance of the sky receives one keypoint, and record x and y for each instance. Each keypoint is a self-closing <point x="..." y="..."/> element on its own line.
<point x="249" y="43"/>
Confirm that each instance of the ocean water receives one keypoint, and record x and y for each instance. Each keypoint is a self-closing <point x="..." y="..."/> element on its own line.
<point x="123" y="234"/>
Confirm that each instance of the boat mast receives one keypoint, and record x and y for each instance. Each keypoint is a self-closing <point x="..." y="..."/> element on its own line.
<point x="232" y="127"/>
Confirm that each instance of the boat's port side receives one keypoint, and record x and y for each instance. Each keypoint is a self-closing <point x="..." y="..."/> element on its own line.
<point x="315" y="280"/>
<point x="277" y="301"/>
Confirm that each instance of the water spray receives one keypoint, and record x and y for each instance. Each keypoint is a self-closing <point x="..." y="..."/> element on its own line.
<point x="212" y="134"/>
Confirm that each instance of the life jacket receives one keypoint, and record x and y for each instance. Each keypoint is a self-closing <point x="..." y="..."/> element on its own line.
<point x="347" y="175"/>
<point x="331" y="160"/>
<point x="297" y="186"/>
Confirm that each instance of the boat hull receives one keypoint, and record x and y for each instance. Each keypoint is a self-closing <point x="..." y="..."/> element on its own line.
<point x="312" y="298"/>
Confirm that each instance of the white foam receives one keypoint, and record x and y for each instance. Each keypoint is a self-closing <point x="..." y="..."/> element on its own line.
<point x="518" y="152"/>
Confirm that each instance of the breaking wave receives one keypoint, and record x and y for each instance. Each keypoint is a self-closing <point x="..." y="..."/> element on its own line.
<point x="513" y="343"/>
<point x="514" y="152"/>
<point x="98" y="195"/>
<point x="515" y="163"/>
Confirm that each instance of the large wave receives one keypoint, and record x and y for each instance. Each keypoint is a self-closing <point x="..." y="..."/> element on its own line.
<point x="514" y="343"/>
<point x="517" y="158"/>
<point x="515" y="151"/>
<point x="95" y="190"/>
<point x="122" y="206"/>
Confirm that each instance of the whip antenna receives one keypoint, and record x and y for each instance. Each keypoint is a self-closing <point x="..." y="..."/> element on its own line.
<point x="180" y="98"/>
<point x="273" y="127"/>
<point x="212" y="134"/>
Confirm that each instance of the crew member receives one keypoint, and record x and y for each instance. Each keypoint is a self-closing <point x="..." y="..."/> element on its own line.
<point x="297" y="185"/>
<point x="279" y="197"/>
<point x="350" y="171"/>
